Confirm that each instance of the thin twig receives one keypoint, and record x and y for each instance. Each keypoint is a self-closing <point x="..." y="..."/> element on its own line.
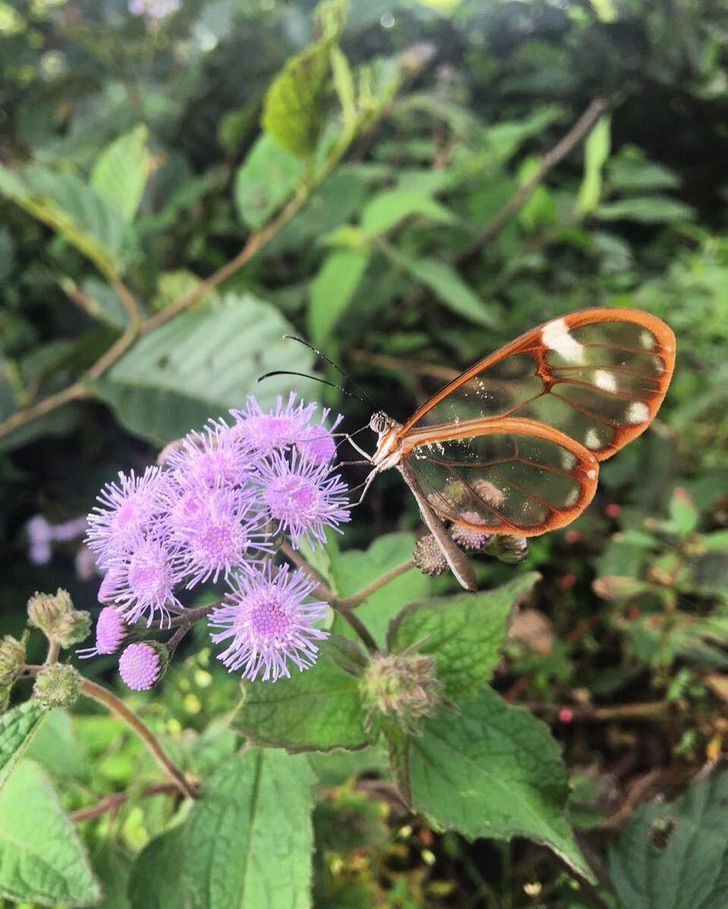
<point x="359" y="627"/>
<point x="578" y="131"/>
<point x="648" y="710"/>
<point x="356" y="598"/>
<point x="323" y="589"/>
<point x="117" y="799"/>
<point x="74" y="392"/>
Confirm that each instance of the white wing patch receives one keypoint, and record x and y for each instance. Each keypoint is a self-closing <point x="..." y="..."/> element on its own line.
<point x="592" y="440"/>
<point x="605" y="380"/>
<point x="637" y="412"/>
<point x="647" y="340"/>
<point x="555" y="336"/>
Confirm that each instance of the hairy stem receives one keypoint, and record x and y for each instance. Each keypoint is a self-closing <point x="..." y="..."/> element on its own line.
<point x="117" y="799"/>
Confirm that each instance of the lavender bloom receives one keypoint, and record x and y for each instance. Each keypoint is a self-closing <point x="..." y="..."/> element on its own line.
<point x="139" y="666"/>
<point x="40" y="537"/>
<point x="266" y="432"/>
<point x="216" y="456"/>
<point x="142" y="582"/>
<point x="302" y="498"/>
<point x="268" y="624"/>
<point x="128" y="509"/>
<point x="110" y="632"/>
<point x="470" y="539"/>
<point x="225" y="531"/>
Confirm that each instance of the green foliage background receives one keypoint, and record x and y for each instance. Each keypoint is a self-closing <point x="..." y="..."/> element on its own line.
<point x="370" y="166"/>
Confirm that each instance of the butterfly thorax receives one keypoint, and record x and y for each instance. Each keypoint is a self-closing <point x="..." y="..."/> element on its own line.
<point x="388" y="453"/>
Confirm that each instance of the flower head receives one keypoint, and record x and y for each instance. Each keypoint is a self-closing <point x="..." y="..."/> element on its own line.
<point x="110" y="632"/>
<point x="316" y="442"/>
<point x="466" y="537"/>
<point x="140" y="665"/>
<point x="428" y="556"/>
<point x="266" y="432"/>
<point x="144" y="581"/>
<point x="268" y="624"/>
<point x="302" y="497"/>
<point x="127" y="509"/>
<point x="216" y="456"/>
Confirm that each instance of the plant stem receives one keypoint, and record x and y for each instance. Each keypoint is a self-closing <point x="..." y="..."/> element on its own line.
<point x="117" y="799"/>
<point x="73" y="393"/>
<point x="359" y="627"/>
<point x="356" y="598"/>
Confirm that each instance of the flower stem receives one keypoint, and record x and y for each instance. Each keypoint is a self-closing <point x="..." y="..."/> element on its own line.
<point x="356" y="598"/>
<point x="117" y="799"/>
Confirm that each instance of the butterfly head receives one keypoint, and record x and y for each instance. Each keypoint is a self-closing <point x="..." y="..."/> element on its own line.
<point x="387" y="453"/>
<point x="380" y="422"/>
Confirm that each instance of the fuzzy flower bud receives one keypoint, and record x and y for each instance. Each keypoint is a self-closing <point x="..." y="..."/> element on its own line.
<point x="55" y="616"/>
<point x="428" y="556"/>
<point x="12" y="659"/>
<point x="466" y="537"/>
<point x="142" y="664"/>
<point x="508" y="549"/>
<point x="402" y="687"/>
<point x="57" y="685"/>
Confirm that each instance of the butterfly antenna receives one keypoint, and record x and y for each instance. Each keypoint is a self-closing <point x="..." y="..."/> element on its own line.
<point x="336" y="366"/>
<point x="305" y="375"/>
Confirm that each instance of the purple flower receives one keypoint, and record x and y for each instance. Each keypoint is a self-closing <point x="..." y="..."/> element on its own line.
<point x="127" y="510"/>
<point x="216" y="456"/>
<point x="224" y="531"/>
<point x="467" y="538"/>
<point x="268" y="624"/>
<point x="266" y="432"/>
<point x="110" y="632"/>
<point x="316" y="443"/>
<point x="142" y="582"/>
<point x="139" y="666"/>
<point x="302" y="498"/>
<point x="40" y="537"/>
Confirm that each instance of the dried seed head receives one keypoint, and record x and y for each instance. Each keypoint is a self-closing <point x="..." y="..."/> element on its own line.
<point x="428" y="556"/>
<point x="400" y="687"/>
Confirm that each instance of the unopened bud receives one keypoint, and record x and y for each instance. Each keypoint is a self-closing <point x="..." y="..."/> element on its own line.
<point x="57" y="685"/>
<point x="54" y="615"/>
<point x="428" y="556"/>
<point x="12" y="659"/>
<point x="142" y="664"/>
<point x="402" y="687"/>
<point x="506" y="548"/>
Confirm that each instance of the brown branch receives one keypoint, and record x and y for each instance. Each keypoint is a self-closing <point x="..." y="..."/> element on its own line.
<point x="74" y="392"/>
<point x="117" y="799"/>
<point x="578" y="131"/>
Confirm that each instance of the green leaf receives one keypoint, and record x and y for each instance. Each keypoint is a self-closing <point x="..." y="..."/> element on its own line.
<point x="42" y="859"/>
<point x="246" y="843"/>
<point x="684" y="516"/>
<point x="451" y="290"/>
<point x="17" y="728"/>
<point x="265" y="180"/>
<point x="354" y="569"/>
<point x="646" y="209"/>
<point x="120" y="172"/>
<point x="112" y="866"/>
<point x="631" y="171"/>
<point x="388" y="209"/>
<point x="463" y="633"/>
<point x="318" y="709"/>
<point x="333" y="289"/>
<point x="675" y="855"/>
<point x="200" y="364"/>
<point x="294" y="105"/>
<point x="75" y="211"/>
<point x="56" y="748"/>
<point x="596" y="153"/>
<point x="493" y="770"/>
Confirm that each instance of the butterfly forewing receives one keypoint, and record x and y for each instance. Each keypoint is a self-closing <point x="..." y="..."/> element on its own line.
<point x="511" y="476"/>
<point x="597" y="375"/>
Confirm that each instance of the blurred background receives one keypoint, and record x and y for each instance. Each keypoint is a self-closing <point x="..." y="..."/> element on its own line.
<point x="476" y="167"/>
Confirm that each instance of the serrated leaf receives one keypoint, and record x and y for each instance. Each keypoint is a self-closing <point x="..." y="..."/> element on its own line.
<point x="387" y="209"/>
<point x="265" y="180"/>
<point x="318" y="709"/>
<point x="451" y="290"/>
<point x="246" y="843"/>
<point x="17" y="728"/>
<point x="463" y="633"/>
<point x="202" y="363"/>
<point x="646" y="209"/>
<point x="354" y="569"/>
<point x="42" y="859"/>
<point x="71" y="208"/>
<point x="333" y="289"/>
<point x="493" y="770"/>
<point x="675" y="855"/>
<point x="293" y="108"/>
<point x="120" y="172"/>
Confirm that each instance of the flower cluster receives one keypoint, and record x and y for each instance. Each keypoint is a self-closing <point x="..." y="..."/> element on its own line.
<point x="153" y="9"/>
<point x="216" y="510"/>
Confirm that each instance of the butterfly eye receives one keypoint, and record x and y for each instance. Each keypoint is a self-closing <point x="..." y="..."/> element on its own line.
<point x="379" y="421"/>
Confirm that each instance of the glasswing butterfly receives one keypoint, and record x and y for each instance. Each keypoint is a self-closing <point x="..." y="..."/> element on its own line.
<point x="513" y="444"/>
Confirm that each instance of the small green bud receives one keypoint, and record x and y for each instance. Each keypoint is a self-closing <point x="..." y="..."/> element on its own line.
<point x="402" y="687"/>
<point x="79" y="628"/>
<point x="55" y="616"/>
<point x="57" y="685"/>
<point x="12" y="660"/>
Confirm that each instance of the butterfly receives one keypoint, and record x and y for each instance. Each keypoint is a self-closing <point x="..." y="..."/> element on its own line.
<point x="513" y="444"/>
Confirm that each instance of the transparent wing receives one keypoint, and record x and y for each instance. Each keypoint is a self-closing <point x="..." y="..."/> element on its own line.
<point x="504" y="475"/>
<point x="597" y="375"/>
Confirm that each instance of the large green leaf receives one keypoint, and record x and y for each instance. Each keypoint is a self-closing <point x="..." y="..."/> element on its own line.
<point x="200" y="364"/>
<point x="245" y="845"/>
<point x="354" y="569"/>
<point x="646" y="209"/>
<point x="74" y="210"/>
<point x="265" y="180"/>
<point x="332" y="290"/>
<point x="120" y="172"/>
<point x="389" y="208"/>
<point x="42" y="859"/>
<point x="318" y="709"/>
<point x="451" y="290"/>
<point x="675" y="855"/>
<point x="490" y="769"/>
<point x="294" y="106"/>
<point x="463" y="633"/>
<point x="17" y="728"/>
